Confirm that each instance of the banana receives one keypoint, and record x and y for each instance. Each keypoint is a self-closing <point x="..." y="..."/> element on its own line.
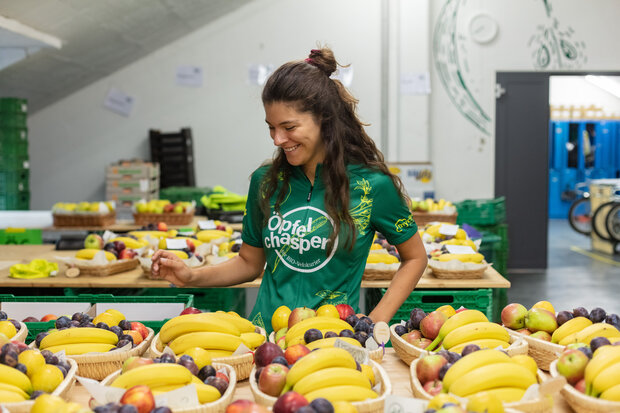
<point x="572" y="326"/>
<point x="211" y="234"/>
<point x="88" y="254"/>
<point x="494" y="375"/>
<point x="317" y="360"/>
<point x="320" y="323"/>
<point x="378" y="257"/>
<point x="143" y="234"/>
<point x="78" y="335"/>
<point x="179" y="253"/>
<point x="13" y="389"/>
<point x="505" y="394"/>
<point x="81" y="348"/>
<point x="130" y="242"/>
<point x="164" y="388"/>
<point x="297" y="340"/>
<point x="603" y="357"/>
<point x="332" y="376"/>
<point x="606" y="379"/>
<point x="475" y="258"/>
<point x="474" y="331"/>
<point x="588" y="333"/>
<point x="489" y="343"/>
<point x="12" y="376"/>
<point x="342" y="393"/>
<point x="205" y="339"/>
<point x="329" y="342"/>
<point x="457" y="320"/>
<point x="189" y="323"/>
<point x="206" y="393"/>
<point x="215" y="354"/>
<point x="252" y="340"/>
<point x="612" y="393"/>
<point x="244" y="326"/>
<point x="7" y="396"/>
<point x="154" y="375"/>
<point x="471" y="362"/>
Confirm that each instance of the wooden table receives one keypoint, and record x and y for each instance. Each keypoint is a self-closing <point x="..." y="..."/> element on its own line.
<point x="397" y="371"/>
<point x="12" y="254"/>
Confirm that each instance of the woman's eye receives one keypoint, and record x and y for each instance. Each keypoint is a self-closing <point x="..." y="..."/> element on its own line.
<point x="290" y="128"/>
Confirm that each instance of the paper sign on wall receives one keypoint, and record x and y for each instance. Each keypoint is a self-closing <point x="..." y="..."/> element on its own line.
<point x="258" y="74"/>
<point x="415" y="83"/>
<point x="119" y="102"/>
<point x="189" y="76"/>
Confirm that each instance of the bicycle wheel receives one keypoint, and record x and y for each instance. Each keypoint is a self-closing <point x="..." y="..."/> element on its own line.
<point x="599" y="218"/>
<point x="579" y="216"/>
<point x="612" y="222"/>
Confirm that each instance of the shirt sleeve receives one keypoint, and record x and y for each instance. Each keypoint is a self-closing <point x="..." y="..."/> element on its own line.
<point x="253" y="216"/>
<point x="390" y="216"/>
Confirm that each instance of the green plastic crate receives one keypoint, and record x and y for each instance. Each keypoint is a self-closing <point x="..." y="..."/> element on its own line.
<point x="481" y="211"/>
<point x="15" y="200"/>
<point x="13" y="135"/>
<point x="13" y="105"/>
<point x="183" y="193"/>
<point x="21" y="236"/>
<point x="13" y="180"/>
<point x="13" y="120"/>
<point x="13" y="148"/>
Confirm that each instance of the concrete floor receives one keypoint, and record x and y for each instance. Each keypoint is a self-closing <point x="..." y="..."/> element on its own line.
<point x="572" y="279"/>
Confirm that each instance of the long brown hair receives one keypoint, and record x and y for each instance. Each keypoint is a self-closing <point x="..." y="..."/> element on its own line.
<point x="307" y="85"/>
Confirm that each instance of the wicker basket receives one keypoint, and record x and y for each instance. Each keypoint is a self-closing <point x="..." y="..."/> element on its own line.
<point x="408" y="352"/>
<point x="61" y="391"/>
<point x="242" y="363"/>
<point x="114" y="267"/>
<point x="21" y="334"/>
<point x="581" y="403"/>
<point x="542" y="351"/>
<point x="218" y="406"/>
<point x="423" y="218"/>
<point x="368" y="406"/>
<point x="169" y="218"/>
<point x="379" y="271"/>
<point x="457" y="274"/>
<point x="541" y="405"/>
<point x="84" y="220"/>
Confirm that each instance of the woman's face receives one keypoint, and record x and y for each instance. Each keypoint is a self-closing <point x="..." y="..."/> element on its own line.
<point x="297" y="133"/>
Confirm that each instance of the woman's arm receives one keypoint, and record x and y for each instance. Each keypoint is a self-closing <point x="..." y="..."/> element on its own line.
<point x="413" y="263"/>
<point x="245" y="267"/>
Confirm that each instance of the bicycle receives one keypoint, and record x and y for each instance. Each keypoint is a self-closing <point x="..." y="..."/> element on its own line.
<point x="579" y="214"/>
<point x="606" y="219"/>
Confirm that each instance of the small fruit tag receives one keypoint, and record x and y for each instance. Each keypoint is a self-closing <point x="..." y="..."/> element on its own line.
<point x="371" y="344"/>
<point x="204" y="225"/>
<point x="175" y="244"/>
<point x="401" y="404"/>
<point x="102" y="394"/>
<point x="381" y="333"/>
<point x="242" y="349"/>
<point x="359" y="354"/>
<point x="179" y="398"/>
<point x="532" y="393"/>
<point x="447" y="229"/>
<point x="460" y="249"/>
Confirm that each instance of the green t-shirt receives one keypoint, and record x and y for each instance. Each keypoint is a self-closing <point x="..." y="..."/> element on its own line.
<point x="299" y="272"/>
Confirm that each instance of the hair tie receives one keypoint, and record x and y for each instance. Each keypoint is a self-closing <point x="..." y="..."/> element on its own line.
<point x="309" y="60"/>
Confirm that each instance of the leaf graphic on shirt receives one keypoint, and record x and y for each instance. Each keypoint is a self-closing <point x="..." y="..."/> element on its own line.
<point x="329" y="294"/>
<point x="361" y="212"/>
<point x="258" y="320"/>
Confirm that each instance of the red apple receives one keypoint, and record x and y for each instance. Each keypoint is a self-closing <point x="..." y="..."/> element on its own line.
<point x="137" y="337"/>
<point x="428" y="367"/>
<point x="421" y="342"/>
<point x="430" y="325"/>
<point x="539" y="319"/>
<point x="294" y="353"/>
<point x="412" y="336"/>
<point x="265" y="353"/>
<point x="344" y="310"/>
<point x="289" y="402"/>
<point x="135" y="361"/>
<point x="20" y="346"/>
<point x="141" y="397"/>
<point x="433" y="387"/>
<point x="30" y="320"/>
<point x="140" y="328"/>
<point x="513" y="316"/>
<point x="191" y="245"/>
<point x="246" y="406"/>
<point x="581" y="386"/>
<point x="272" y="379"/>
<point x="48" y="317"/>
<point x="572" y="365"/>
<point x="190" y="310"/>
<point x="162" y="226"/>
<point x="168" y="208"/>
<point x="541" y="335"/>
<point x="299" y="314"/>
<point x="524" y="331"/>
<point x="460" y="309"/>
<point x="127" y="254"/>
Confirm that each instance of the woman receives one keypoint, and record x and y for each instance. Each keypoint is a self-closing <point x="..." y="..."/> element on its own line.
<point x="312" y="213"/>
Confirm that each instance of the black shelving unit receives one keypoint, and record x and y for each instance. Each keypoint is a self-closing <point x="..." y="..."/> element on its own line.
<point x="175" y="153"/>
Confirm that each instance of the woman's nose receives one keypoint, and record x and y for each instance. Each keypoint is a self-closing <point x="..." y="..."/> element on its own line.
<point x="278" y="138"/>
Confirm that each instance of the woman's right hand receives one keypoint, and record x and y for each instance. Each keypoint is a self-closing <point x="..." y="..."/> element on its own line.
<point x="170" y="267"/>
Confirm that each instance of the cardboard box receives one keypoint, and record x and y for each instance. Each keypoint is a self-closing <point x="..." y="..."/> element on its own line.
<point x="128" y="199"/>
<point x="131" y="170"/>
<point x="131" y="187"/>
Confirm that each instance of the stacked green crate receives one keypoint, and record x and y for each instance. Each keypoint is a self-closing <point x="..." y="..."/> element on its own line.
<point x="14" y="161"/>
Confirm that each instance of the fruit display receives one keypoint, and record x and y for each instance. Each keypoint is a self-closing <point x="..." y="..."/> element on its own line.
<point x="162" y="210"/>
<point x="11" y="329"/>
<point x="430" y="205"/>
<point x="447" y="329"/>
<point x="52" y="403"/>
<point x="382" y="252"/>
<point x="84" y="214"/>
<point x="26" y="373"/>
<point x="65" y="208"/>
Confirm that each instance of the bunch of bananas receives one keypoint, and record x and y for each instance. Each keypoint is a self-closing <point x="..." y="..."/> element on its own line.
<point x="72" y="207"/>
<point x="429" y="205"/>
<point x="219" y="333"/>
<point x="431" y="233"/>
<point x="582" y="330"/>
<point x="330" y="373"/>
<point x="295" y="335"/>
<point x="140" y="234"/>
<point x="602" y="374"/>
<point x="131" y="242"/>
<point x="492" y="372"/>
<point x="15" y="386"/>
<point x="378" y="256"/>
<point x="79" y="340"/>
<point x="475" y="258"/>
<point x="209" y="235"/>
<point x="88" y="254"/>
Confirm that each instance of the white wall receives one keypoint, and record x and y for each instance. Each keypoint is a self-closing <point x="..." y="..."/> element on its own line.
<point x="576" y="91"/>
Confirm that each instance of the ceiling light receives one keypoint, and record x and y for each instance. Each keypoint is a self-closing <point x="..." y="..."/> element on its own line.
<point x="606" y="83"/>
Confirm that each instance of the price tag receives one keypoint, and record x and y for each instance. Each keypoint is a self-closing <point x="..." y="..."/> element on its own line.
<point x="178" y="398"/>
<point x="204" y="225"/>
<point x="359" y="354"/>
<point x="381" y="332"/>
<point x="401" y="404"/>
<point x="447" y="229"/>
<point x="175" y="244"/>
<point x="460" y="249"/>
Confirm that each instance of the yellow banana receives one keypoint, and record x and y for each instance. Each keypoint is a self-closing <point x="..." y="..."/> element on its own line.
<point x="378" y="257"/>
<point x="494" y="375"/>
<point x="612" y="393"/>
<point x="130" y="242"/>
<point x="215" y="354"/>
<point x="320" y="323"/>
<point x="471" y="362"/>
<point x="88" y="254"/>
<point x="297" y="340"/>
<point x="153" y="234"/>
<point x="206" y="393"/>
<point x="572" y="326"/>
<point x="329" y="342"/>
<point x="588" y="333"/>
<point x="474" y="331"/>
<point x="456" y="321"/>
<point x="603" y="357"/>
<point x="189" y="323"/>
<point x="14" y="389"/>
<point x="7" y="396"/>
<point x="207" y="340"/>
<point x="12" y="376"/>
<point x="81" y="348"/>
<point x="489" y="343"/>
<point x="244" y="326"/>
<point x="252" y="340"/>
<point x="164" y="388"/>
<point x="332" y="376"/>
<point x="77" y="336"/>
<point x="211" y="234"/>
<point x="504" y="394"/>
<point x="344" y="393"/>
<point x="317" y="360"/>
<point x="475" y="258"/>
<point x="154" y="375"/>
<point x="606" y="379"/>
<point x="179" y="253"/>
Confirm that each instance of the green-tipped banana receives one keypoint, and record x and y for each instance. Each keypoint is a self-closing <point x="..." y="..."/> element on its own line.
<point x="491" y="376"/>
<point x="457" y="320"/>
<point x="475" y="331"/>
<point x="189" y="323"/>
<point x="572" y="326"/>
<point x="318" y="360"/>
<point x="77" y="336"/>
<point x="471" y="362"/>
<point x="329" y="377"/>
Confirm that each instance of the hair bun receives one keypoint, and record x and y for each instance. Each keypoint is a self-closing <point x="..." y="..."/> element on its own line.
<point x="323" y="59"/>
